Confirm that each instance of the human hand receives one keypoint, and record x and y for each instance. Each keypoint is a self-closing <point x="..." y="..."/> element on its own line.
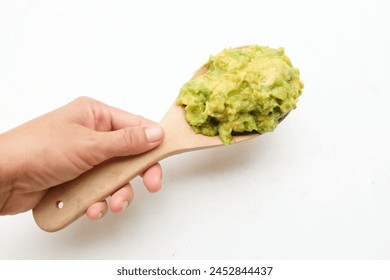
<point x="61" y="145"/>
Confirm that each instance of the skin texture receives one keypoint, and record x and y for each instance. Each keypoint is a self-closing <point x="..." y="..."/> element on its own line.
<point x="62" y="144"/>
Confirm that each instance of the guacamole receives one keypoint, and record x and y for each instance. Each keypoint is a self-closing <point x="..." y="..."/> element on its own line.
<point x="244" y="90"/>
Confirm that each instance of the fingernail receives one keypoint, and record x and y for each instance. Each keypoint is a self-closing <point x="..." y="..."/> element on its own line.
<point x="124" y="205"/>
<point x="154" y="133"/>
<point x="100" y="215"/>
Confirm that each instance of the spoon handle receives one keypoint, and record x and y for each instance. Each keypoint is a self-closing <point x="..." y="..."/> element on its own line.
<point x="65" y="203"/>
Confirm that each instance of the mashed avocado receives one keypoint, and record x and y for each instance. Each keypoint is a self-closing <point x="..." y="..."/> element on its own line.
<point x="244" y="90"/>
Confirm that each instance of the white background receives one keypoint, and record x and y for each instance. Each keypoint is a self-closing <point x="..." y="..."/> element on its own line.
<point x="315" y="188"/>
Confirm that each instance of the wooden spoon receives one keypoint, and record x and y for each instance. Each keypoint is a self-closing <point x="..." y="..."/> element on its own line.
<point x="65" y="203"/>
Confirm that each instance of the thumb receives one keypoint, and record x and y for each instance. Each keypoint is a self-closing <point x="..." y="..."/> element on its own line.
<point x="130" y="140"/>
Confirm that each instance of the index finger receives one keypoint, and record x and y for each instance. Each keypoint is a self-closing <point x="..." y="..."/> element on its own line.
<point x="101" y="117"/>
<point x="120" y="119"/>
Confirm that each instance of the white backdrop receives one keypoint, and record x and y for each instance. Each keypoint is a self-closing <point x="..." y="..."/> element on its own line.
<point x="315" y="188"/>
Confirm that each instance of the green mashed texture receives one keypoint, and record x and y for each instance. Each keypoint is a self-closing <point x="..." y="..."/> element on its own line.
<point x="244" y="90"/>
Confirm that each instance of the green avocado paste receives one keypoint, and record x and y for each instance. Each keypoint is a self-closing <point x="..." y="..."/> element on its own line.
<point x="244" y="90"/>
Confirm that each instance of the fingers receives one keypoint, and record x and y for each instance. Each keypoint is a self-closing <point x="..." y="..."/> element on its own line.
<point x="121" y="119"/>
<point x="129" y="141"/>
<point x="121" y="199"/>
<point x="97" y="210"/>
<point x="112" y="132"/>
<point x="152" y="178"/>
<point x="101" y="117"/>
<point x="118" y="202"/>
<point x="125" y="195"/>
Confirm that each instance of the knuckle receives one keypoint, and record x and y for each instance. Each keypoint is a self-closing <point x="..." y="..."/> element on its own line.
<point x="129" y="139"/>
<point x="83" y="99"/>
